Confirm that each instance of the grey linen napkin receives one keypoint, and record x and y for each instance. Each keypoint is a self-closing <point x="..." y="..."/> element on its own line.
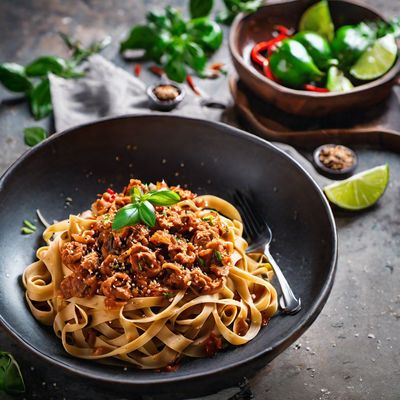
<point x="107" y="90"/>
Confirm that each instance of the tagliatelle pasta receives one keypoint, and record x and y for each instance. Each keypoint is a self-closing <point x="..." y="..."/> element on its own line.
<point x="150" y="295"/>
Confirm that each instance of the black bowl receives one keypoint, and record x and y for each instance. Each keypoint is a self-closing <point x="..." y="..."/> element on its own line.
<point x="209" y="158"/>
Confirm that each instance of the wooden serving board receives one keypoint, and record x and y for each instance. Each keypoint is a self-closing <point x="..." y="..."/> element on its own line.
<point x="378" y="125"/>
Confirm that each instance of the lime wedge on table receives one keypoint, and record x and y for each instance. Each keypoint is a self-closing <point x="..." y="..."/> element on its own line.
<point x="361" y="190"/>
<point x="377" y="60"/>
<point x="337" y="82"/>
<point x="318" y="19"/>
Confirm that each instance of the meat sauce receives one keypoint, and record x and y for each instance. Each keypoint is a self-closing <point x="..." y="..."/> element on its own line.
<point x="182" y="251"/>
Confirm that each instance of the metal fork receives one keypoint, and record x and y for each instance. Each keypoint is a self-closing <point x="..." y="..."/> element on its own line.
<point x="259" y="234"/>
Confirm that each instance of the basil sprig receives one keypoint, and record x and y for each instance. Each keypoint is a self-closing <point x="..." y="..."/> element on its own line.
<point x="32" y="80"/>
<point x="234" y="7"/>
<point x="11" y="380"/>
<point x="142" y="207"/>
<point x="175" y="42"/>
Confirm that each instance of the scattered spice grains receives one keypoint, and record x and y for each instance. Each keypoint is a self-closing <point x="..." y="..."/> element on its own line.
<point x="336" y="157"/>
<point x="166" y="92"/>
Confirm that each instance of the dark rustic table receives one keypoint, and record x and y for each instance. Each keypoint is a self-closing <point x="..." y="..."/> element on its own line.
<point x="352" y="351"/>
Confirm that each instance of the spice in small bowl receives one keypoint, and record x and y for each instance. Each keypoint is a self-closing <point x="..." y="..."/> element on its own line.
<point x="165" y="96"/>
<point x="335" y="159"/>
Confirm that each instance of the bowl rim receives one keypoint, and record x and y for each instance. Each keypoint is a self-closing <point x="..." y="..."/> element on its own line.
<point x="255" y="74"/>
<point x="303" y="324"/>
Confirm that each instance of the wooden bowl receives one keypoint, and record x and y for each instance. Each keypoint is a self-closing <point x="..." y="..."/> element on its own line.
<point x="247" y="30"/>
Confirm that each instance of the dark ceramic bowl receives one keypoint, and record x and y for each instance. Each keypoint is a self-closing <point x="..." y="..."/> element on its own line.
<point x="247" y="30"/>
<point x="209" y="158"/>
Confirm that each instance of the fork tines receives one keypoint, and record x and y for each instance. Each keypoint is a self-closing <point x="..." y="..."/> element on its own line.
<point x="254" y="224"/>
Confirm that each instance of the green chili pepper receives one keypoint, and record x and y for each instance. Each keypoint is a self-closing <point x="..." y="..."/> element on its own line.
<point x="292" y="64"/>
<point x="318" y="48"/>
<point x="351" y="41"/>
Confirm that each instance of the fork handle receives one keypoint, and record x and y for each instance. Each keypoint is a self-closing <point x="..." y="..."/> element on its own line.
<point x="292" y="304"/>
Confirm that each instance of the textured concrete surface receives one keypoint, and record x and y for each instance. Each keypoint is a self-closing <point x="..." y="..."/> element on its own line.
<point x="352" y="351"/>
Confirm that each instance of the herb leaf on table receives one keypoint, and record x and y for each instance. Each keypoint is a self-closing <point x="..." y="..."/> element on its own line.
<point x="13" y="77"/>
<point x="11" y="380"/>
<point x="175" y="42"/>
<point x="40" y="99"/>
<point x="234" y="7"/>
<point x="34" y="135"/>
<point x="200" y="8"/>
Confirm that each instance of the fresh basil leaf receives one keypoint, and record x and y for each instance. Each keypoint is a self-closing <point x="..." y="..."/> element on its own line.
<point x="159" y="47"/>
<point x="225" y="17"/>
<point x="163" y="197"/>
<point x="249" y="5"/>
<point x="177" y="23"/>
<point x="234" y="7"/>
<point x="195" y="56"/>
<point x="206" y="33"/>
<point x="136" y="194"/>
<point x="140" y="37"/>
<point x="34" y="135"/>
<point x="200" y="8"/>
<point x="147" y="213"/>
<point x="40" y="99"/>
<point x="175" y="68"/>
<point x="13" y="77"/>
<point x="11" y="380"/>
<point x="159" y="19"/>
<point x="43" y="65"/>
<point x="126" y="216"/>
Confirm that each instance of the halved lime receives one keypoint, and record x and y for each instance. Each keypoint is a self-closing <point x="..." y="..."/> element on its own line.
<point x="337" y="82"/>
<point x="361" y="190"/>
<point x="377" y="60"/>
<point x="317" y="18"/>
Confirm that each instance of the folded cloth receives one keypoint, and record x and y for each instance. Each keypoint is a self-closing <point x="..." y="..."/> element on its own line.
<point x="105" y="91"/>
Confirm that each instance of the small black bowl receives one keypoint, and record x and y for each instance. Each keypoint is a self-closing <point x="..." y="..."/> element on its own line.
<point x="334" y="173"/>
<point x="164" y="105"/>
<point x="84" y="161"/>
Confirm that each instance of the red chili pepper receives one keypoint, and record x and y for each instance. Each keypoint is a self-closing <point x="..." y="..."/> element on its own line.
<point x="267" y="71"/>
<point x="110" y="191"/>
<point x="192" y="85"/>
<point x="283" y="30"/>
<point x="217" y="66"/>
<point x="265" y="46"/>
<point x="156" y="70"/>
<point x="312" y="88"/>
<point x="256" y="50"/>
<point x="137" y="70"/>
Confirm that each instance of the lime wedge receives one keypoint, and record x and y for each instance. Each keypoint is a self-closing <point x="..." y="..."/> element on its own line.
<point x="361" y="190"/>
<point x="318" y="19"/>
<point x="337" y="82"/>
<point x="376" y="60"/>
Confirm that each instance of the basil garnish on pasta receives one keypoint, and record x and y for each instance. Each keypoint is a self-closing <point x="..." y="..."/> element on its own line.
<point x="142" y="207"/>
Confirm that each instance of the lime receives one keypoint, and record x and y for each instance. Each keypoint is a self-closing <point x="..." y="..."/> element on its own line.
<point x="361" y="190"/>
<point x="376" y="60"/>
<point x="337" y="82"/>
<point x="318" y="19"/>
